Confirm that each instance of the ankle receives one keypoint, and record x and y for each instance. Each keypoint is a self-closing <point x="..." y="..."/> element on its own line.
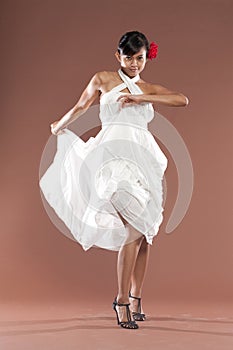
<point x="123" y="299"/>
<point x="136" y="293"/>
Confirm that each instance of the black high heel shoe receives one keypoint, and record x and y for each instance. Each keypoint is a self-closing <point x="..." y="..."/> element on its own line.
<point x="138" y="316"/>
<point x="130" y="324"/>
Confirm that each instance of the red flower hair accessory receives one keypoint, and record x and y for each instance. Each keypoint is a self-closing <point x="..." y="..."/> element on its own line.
<point x="153" y="50"/>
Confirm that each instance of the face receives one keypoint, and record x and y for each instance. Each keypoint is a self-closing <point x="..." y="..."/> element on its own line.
<point x="132" y="65"/>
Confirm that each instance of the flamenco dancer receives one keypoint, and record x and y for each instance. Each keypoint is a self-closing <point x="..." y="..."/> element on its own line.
<point x="126" y="108"/>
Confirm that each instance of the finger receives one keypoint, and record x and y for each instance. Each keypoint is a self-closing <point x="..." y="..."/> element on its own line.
<point x="124" y="104"/>
<point x="119" y="98"/>
<point x="62" y="131"/>
<point x="121" y="103"/>
<point x="122" y="97"/>
<point x="54" y="132"/>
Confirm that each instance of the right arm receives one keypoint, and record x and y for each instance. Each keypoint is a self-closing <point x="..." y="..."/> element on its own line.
<point x="88" y="96"/>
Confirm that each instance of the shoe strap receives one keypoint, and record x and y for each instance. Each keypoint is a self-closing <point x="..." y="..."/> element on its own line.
<point x="123" y="304"/>
<point x="139" y="302"/>
<point x="135" y="297"/>
<point x="128" y="314"/>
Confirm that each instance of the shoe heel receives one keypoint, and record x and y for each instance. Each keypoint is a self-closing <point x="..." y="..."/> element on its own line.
<point x="114" y="308"/>
<point x="126" y="324"/>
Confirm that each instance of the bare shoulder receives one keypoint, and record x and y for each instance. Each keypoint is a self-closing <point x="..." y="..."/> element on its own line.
<point x="107" y="80"/>
<point x="150" y="88"/>
<point x="100" y="79"/>
<point x="106" y="76"/>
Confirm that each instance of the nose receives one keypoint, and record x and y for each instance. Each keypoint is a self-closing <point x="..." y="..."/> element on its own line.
<point x="134" y="62"/>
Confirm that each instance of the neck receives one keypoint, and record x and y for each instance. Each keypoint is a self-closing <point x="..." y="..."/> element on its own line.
<point x="130" y="76"/>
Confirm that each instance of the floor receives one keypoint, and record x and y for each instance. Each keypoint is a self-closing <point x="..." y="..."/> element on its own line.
<point x="92" y="325"/>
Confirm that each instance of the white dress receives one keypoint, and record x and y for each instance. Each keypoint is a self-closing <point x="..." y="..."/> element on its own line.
<point x="120" y="170"/>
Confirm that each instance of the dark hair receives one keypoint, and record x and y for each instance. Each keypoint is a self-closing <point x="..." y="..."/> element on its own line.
<point x="132" y="42"/>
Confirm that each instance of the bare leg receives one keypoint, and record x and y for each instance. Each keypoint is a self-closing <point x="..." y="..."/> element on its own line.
<point x="125" y="266"/>
<point x="139" y="272"/>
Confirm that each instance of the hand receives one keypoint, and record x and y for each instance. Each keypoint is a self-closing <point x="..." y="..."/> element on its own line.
<point x="54" y="131"/>
<point x="129" y="99"/>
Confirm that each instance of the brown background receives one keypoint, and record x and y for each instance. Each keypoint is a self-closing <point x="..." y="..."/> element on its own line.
<point x="49" y="51"/>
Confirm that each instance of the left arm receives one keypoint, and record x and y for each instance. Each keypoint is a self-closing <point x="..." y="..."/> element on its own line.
<point x="157" y="94"/>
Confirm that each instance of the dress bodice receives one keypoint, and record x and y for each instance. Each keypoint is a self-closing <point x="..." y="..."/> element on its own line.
<point x="111" y="111"/>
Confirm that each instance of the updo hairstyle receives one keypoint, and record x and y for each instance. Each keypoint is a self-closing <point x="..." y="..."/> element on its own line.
<point x="132" y="42"/>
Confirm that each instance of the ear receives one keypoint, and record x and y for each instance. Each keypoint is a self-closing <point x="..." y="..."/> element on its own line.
<point x="117" y="55"/>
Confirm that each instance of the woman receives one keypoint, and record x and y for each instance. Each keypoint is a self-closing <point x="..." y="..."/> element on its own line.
<point x="125" y="109"/>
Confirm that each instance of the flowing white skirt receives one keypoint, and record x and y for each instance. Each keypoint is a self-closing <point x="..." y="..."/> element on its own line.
<point x="120" y="170"/>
